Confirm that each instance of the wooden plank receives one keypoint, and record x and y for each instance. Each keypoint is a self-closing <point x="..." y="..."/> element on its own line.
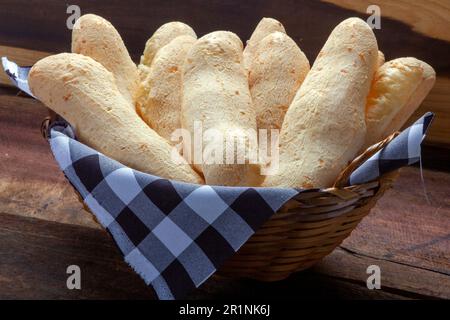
<point x="38" y="270"/>
<point x="396" y="278"/>
<point x="406" y="227"/>
<point x="23" y="57"/>
<point x="300" y="286"/>
<point x="431" y="18"/>
<point x="35" y="256"/>
<point x="31" y="183"/>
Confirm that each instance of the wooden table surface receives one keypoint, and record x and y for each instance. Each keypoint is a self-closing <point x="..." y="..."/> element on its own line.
<point x="44" y="229"/>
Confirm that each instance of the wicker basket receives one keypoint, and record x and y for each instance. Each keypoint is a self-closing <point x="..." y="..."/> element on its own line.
<point x="309" y="226"/>
<point x="306" y="228"/>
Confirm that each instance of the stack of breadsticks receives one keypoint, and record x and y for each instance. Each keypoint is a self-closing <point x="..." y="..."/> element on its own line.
<point x="327" y="114"/>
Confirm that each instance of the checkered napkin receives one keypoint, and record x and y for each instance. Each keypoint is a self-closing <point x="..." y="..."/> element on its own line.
<point x="18" y="75"/>
<point x="176" y="235"/>
<point x="401" y="151"/>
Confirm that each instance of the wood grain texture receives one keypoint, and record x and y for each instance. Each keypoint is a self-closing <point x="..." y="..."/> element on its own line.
<point x="35" y="255"/>
<point x="37" y="270"/>
<point x="417" y="218"/>
<point x="23" y="57"/>
<point x="31" y="183"/>
<point x="429" y="17"/>
<point x="403" y="280"/>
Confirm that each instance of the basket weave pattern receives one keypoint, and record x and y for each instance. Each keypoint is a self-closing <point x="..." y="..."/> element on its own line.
<point x="304" y="231"/>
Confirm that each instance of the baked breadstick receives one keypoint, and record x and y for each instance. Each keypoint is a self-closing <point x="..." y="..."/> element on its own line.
<point x="97" y="38"/>
<point x="83" y="92"/>
<point x="216" y="93"/>
<point x="398" y="89"/>
<point x="275" y="74"/>
<point x="265" y="27"/>
<point x="159" y="96"/>
<point x="324" y="127"/>
<point x="166" y="33"/>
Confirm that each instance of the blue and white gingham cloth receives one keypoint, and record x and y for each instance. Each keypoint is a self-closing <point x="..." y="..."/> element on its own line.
<point x="175" y="235"/>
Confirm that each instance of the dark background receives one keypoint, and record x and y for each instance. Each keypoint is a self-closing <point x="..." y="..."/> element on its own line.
<point x="41" y="25"/>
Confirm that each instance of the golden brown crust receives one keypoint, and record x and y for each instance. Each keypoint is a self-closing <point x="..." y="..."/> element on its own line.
<point x="265" y="27"/>
<point x="163" y="36"/>
<point x="324" y="127"/>
<point x="159" y="95"/>
<point x="215" y="92"/>
<point x="275" y="74"/>
<point x="83" y="92"/>
<point x="398" y="89"/>
<point x="97" y="38"/>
